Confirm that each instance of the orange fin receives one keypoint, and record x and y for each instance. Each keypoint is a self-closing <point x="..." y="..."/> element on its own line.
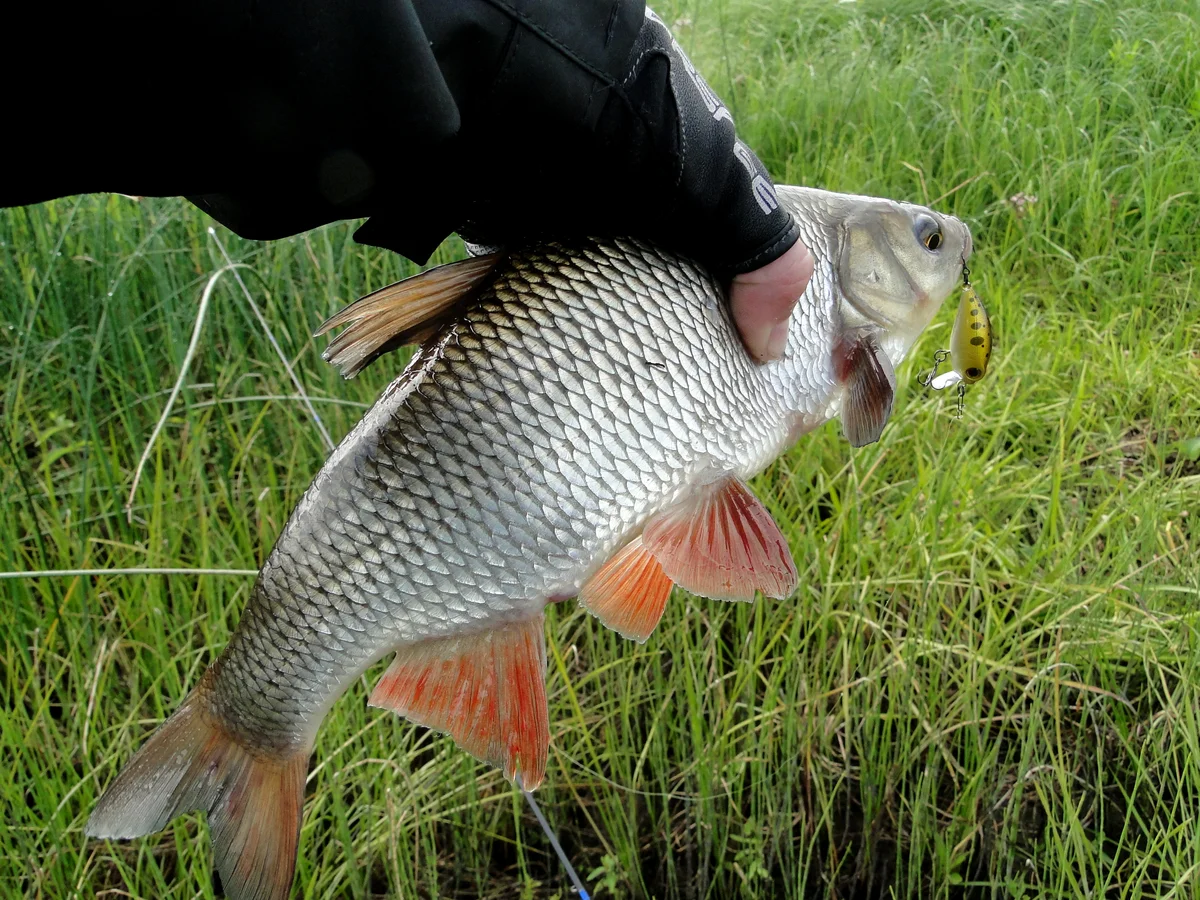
<point x="487" y="691"/>
<point x="406" y="312"/>
<point x="870" y="382"/>
<point x="723" y="544"/>
<point x="254" y="799"/>
<point x="628" y="593"/>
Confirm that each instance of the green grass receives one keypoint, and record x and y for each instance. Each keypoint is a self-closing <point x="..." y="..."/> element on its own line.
<point x="988" y="684"/>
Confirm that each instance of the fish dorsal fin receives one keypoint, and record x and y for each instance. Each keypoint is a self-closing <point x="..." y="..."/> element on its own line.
<point x="723" y="544"/>
<point x="406" y="312"/>
<point x="628" y="593"/>
<point x="486" y="690"/>
<point x="866" y="371"/>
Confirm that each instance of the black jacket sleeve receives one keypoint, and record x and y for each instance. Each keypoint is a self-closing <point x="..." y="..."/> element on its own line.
<point x="504" y="119"/>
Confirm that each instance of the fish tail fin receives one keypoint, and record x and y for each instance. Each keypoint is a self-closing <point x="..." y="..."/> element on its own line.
<point x="253" y="799"/>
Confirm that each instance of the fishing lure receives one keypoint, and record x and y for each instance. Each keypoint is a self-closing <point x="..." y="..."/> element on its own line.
<point x="970" y="345"/>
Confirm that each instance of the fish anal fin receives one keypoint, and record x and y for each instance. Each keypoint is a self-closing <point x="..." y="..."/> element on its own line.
<point x="254" y="799"/>
<point x="402" y="313"/>
<point x="486" y="690"/>
<point x="722" y="544"/>
<point x="629" y="592"/>
<point x="866" y="371"/>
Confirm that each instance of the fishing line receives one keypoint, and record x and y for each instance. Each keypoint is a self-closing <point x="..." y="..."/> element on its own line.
<point x="139" y="570"/>
<point x="562" y="856"/>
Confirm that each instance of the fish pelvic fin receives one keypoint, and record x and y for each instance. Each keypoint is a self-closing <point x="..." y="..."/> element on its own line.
<point x="629" y="592"/>
<point x="486" y="690"/>
<point x="254" y="799"/>
<point x="723" y="544"/>
<point x="406" y="312"/>
<point x="866" y="371"/>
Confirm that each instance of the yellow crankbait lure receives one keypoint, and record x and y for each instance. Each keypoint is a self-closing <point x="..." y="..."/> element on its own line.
<point x="970" y="345"/>
<point x="971" y="339"/>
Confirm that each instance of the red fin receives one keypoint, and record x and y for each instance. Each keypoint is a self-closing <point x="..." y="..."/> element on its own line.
<point x="487" y="691"/>
<point x="723" y="545"/>
<point x="628" y="593"/>
<point x="254" y="799"/>
<point x="870" y="388"/>
<point x="402" y="313"/>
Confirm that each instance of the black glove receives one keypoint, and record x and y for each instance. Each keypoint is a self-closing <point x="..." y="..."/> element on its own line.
<point x="512" y="119"/>
<point x="652" y="153"/>
<point x="723" y="208"/>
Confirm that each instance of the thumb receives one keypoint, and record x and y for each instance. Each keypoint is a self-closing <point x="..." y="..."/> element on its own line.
<point x="762" y="300"/>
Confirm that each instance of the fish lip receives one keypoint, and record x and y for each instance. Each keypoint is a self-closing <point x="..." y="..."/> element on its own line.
<point x="949" y="223"/>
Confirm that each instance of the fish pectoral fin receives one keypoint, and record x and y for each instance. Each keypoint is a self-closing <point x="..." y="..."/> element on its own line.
<point x="486" y="690"/>
<point x="722" y="544"/>
<point x="870" y="381"/>
<point x="629" y="592"/>
<point x="406" y="312"/>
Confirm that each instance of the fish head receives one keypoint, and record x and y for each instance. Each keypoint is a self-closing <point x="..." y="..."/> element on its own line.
<point x="896" y="264"/>
<point x="882" y="269"/>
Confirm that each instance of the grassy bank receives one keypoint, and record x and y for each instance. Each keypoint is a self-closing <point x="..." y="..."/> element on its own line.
<point x="988" y="683"/>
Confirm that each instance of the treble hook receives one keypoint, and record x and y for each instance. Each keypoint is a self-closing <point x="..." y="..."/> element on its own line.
<point x="938" y="358"/>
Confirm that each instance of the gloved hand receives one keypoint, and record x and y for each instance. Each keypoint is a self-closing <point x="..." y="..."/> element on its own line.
<point x="510" y="120"/>
<point x="662" y="162"/>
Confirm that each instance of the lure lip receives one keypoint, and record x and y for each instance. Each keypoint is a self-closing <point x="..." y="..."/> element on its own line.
<point x="945" y="380"/>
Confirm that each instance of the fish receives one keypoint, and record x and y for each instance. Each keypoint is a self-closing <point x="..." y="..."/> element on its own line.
<point x="579" y="420"/>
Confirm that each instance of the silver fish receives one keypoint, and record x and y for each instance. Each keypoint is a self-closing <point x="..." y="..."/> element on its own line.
<point x="580" y="421"/>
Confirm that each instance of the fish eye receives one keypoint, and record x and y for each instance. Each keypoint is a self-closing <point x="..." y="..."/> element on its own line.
<point x="929" y="233"/>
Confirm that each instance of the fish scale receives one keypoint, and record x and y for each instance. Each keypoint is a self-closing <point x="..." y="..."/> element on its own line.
<point x="580" y="423"/>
